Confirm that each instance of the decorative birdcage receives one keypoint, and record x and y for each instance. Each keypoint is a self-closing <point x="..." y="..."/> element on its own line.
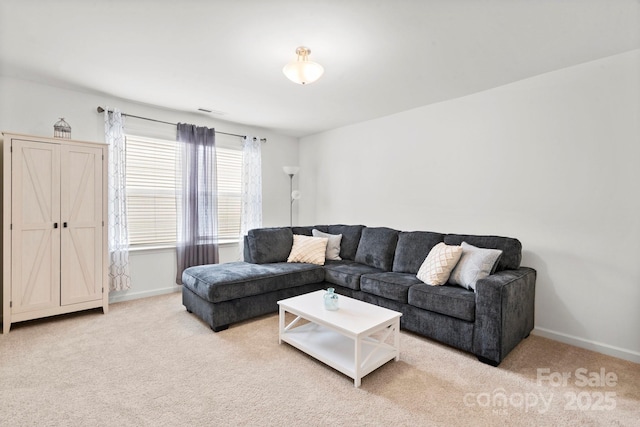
<point x="62" y="129"/>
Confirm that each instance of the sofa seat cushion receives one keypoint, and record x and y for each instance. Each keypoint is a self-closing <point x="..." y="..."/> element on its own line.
<point x="450" y="300"/>
<point x="225" y="282"/>
<point x="394" y="286"/>
<point x="346" y="273"/>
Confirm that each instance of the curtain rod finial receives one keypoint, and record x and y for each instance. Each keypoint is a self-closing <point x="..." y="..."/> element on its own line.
<point x="100" y="109"/>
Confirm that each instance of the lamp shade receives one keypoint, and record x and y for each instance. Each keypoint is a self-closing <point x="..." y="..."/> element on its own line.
<point x="303" y="71"/>
<point x="290" y="170"/>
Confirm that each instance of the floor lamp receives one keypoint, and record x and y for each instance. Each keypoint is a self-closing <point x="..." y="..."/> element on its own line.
<point x="293" y="195"/>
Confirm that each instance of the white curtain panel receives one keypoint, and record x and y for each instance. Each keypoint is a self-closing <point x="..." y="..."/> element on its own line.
<point x="251" y="215"/>
<point x="119" y="276"/>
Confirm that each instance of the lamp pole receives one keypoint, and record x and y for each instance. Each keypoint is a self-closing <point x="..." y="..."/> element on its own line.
<point x="291" y="171"/>
<point x="291" y="200"/>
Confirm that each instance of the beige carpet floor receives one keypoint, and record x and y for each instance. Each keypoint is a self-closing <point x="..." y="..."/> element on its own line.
<point x="150" y="363"/>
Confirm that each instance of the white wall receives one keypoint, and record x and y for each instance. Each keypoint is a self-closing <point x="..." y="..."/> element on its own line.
<point x="32" y="108"/>
<point x="552" y="160"/>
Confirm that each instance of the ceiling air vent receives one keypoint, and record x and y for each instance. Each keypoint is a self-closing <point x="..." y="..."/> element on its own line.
<point x="206" y="110"/>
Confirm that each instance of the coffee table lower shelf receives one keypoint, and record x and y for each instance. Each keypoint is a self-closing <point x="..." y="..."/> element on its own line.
<point x="339" y="351"/>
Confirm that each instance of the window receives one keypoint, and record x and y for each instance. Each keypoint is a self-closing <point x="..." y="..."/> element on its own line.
<point x="151" y="203"/>
<point x="229" y="164"/>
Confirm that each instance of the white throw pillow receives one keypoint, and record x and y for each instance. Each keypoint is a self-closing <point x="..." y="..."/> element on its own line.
<point x="308" y="249"/>
<point x="475" y="264"/>
<point x="333" y="245"/>
<point x="437" y="266"/>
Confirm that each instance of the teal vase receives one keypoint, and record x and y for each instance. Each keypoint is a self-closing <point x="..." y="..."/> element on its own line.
<point x="331" y="300"/>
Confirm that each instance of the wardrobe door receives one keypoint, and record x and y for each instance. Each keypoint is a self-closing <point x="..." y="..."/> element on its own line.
<point x="82" y="222"/>
<point x="35" y="225"/>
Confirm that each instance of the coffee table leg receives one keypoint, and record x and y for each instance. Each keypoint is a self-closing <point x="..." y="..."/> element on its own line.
<point x="281" y="327"/>
<point x="358" y="366"/>
<point x="396" y="339"/>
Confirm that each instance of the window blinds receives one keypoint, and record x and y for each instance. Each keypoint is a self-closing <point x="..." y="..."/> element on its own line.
<point x="151" y="190"/>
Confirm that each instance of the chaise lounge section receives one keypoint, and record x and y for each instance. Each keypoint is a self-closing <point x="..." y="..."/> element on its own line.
<point x="378" y="265"/>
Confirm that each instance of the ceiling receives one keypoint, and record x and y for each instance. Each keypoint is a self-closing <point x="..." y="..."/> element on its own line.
<point x="380" y="57"/>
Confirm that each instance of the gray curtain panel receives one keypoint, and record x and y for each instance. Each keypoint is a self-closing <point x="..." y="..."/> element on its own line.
<point x="196" y="198"/>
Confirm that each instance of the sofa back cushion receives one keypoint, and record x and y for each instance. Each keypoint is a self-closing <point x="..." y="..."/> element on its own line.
<point x="246" y="252"/>
<point x="307" y="230"/>
<point x="413" y="248"/>
<point x="270" y="244"/>
<point x="377" y="247"/>
<point x="350" y="239"/>
<point x="511" y="248"/>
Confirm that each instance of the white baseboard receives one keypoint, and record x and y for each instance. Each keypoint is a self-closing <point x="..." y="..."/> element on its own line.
<point x="609" y="350"/>
<point x="120" y="296"/>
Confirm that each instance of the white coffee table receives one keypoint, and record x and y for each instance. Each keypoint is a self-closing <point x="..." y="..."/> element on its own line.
<point x="355" y="339"/>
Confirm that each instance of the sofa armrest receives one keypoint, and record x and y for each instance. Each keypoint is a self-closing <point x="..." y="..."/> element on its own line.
<point x="505" y="304"/>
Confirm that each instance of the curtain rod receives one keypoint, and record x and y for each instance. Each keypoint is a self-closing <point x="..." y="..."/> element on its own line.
<point x="102" y="110"/>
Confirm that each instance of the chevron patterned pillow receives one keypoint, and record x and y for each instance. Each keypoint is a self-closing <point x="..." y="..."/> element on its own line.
<point x="437" y="267"/>
<point x="308" y="249"/>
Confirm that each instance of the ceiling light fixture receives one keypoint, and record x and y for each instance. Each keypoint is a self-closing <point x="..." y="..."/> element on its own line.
<point x="303" y="71"/>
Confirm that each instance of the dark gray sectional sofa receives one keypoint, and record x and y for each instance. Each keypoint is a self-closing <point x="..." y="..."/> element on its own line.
<point x="379" y="266"/>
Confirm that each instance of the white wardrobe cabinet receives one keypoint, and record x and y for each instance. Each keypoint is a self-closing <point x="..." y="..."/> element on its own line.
<point x="54" y="231"/>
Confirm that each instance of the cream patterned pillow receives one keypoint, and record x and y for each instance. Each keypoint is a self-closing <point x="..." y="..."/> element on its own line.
<point x="436" y="268"/>
<point x="308" y="249"/>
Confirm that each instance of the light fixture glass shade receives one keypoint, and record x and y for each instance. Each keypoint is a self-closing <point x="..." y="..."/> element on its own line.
<point x="290" y="170"/>
<point x="303" y="71"/>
